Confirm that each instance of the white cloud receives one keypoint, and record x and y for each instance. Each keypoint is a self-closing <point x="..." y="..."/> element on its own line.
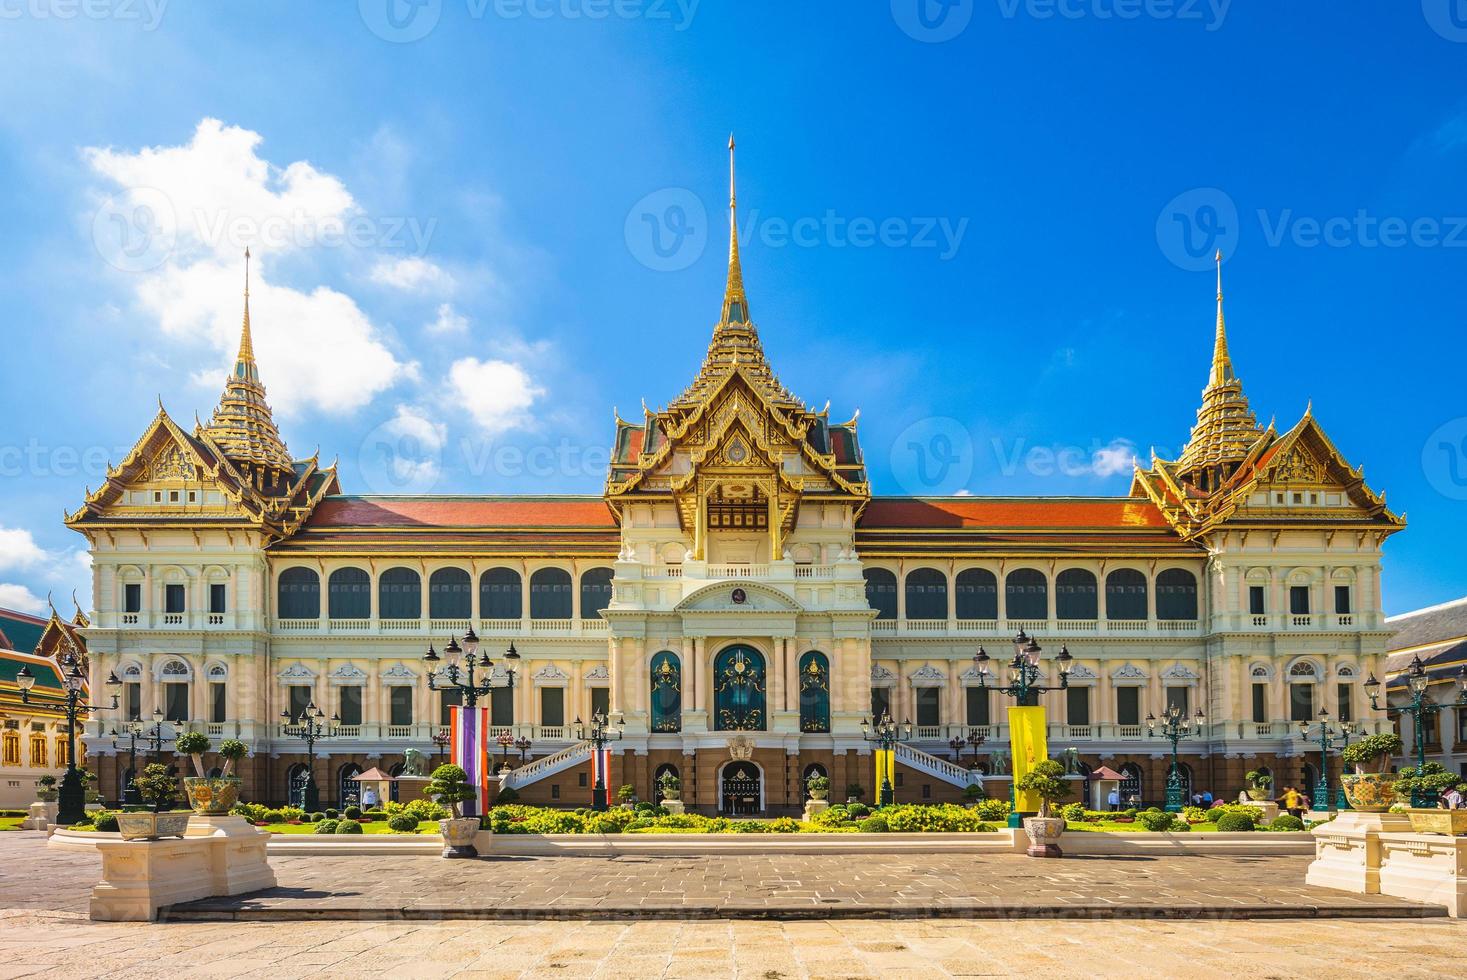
<point x="207" y="200"/>
<point x="21" y="599"/>
<point x="497" y="394"/>
<point x="449" y="322"/>
<point x="412" y="274"/>
<point x="964" y="492"/>
<point x="1118" y="457"/>
<point x="19" y="551"/>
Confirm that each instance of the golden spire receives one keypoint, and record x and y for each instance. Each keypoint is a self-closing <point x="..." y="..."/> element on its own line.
<point x="1226" y="427"/>
<point x="735" y="303"/>
<point x="246" y="343"/>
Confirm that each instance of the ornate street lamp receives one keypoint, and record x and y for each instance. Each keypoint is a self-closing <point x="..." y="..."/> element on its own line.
<point x="72" y="799"/>
<point x="136" y="733"/>
<point x="471" y="687"/>
<point x="523" y="745"/>
<point x="957" y="745"/>
<point x="1327" y="735"/>
<point x="598" y="733"/>
<point x="441" y="738"/>
<point x="886" y="736"/>
<point x="1024" y="688"/>
<point x="1175" y="726"/>
<point x="1419" y="710"/>
<point x="309" y="729"/>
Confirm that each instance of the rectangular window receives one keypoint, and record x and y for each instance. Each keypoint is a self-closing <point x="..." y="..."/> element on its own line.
<point x="926" y="791"/>
<point x="1177" y="697"/>
<point x="173" y="598"/>
<point x="501" y="708"/>
<point x="402" y="706"/>
<point x="555" y="791"/>
<point x="1342" y="599"/>
<point x="1344" y="704"/>
<point x="132" y="696"/>
<point x="1433" y="730"/>
<point x="216" y="597"/>
<point x="1260" y="703"/>
<point x="350" y="709"/>
<point x="63" y="753"/>
<point x="218" y="701"/>
<point x="1301" y="702"/>
<point x="175" y="702"/>
<point x="132" y="597"/>
<point x="929" y="711"/>
<point x="299" y="696"/>
<point x="581" y="780"/>
<point x="1256" y="604"/>
<point x="447" y="700"/>
<point x="880" y="703"/>
<point x="1299" y="600"/>
<point x="1128" y="706"/>
<point x="978" y="706"/>
<point x="1077" y="705"/>
<point x="601" y="701"/>
<point x="552" y="706"/>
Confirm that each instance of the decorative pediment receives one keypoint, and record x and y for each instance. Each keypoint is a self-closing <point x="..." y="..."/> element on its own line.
<point x="297" y="672"/>
<point x="882" y="677"/>
<point x="598" y="676"/>
<point x="1128" y="672"/>
<point x="970" y="676"/>
<point x="1179" y="672"/>
<point x="1079" y="672"/>
<point x="740" y="598"/>
<point x="550" y="675"/>
<point x="928" y="676"/>
<point x="399" y="672"/>
<point x="348" y="675"/>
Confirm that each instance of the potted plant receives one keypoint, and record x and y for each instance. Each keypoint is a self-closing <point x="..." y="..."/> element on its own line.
<point x="46" y="790"/>
<point x="1371" y="791"/>
<point x="1259" y="784"/>
<point x="157" y="786"/>
<point x="211" y="795"/>
<point x="855" y="792"/>
<point x="818" y="786"/>
<point x="626" y="795"/>
<point x="449" y="785"/>
<point x="1046" y="781"/>
<point x="670" y="786"/>
<point x="1422" y="786"/>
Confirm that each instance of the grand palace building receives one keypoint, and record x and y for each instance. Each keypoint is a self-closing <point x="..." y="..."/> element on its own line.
<point x="738" y="601"/>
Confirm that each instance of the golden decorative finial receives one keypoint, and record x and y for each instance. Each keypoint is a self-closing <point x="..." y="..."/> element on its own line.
<point x="1222" y="362"/>
<point x="246" y="343"/>
<point x="735" y="303"/>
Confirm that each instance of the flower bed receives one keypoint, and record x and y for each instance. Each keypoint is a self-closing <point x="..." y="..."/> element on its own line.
<point x="838" y="819"/>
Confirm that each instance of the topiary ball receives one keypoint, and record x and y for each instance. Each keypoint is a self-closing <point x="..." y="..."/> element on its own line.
<point x="352" y="813"/>
<point x="874" y="824"/>
<point x="1286" y="822"/>
<point x="402" y="824"/>
<point x="326" y="827"/>
<point x="1234" y="823"/>
<point x="105" y="822"/>
<point x="348" y="827"/>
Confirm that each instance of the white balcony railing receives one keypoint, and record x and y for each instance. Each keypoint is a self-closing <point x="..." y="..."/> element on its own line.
<point x="400" y="625"/>
<point x="455" y="626"/>
<point x="931" y="733"/>
<point x="552" y="732"/>
<point x="926" y="625"/>
<point x="1176" y="626"/>
<point x="1129" y="731"/>
<point x="399" y="731"/>
<point x="738" y="571"/>
<point x="977" y="625"/>
<point x="348" y="731"/>
<point x="1126" y="625"/>
<point x="1079" y="731"/>
<point x="214" y="728"/>
<point x="297" y="625"/>
<point x="499" y="625"/>
<point x="351" y="625"/>
<point x="883" y="626"/>
<point x="1077" y="625"/>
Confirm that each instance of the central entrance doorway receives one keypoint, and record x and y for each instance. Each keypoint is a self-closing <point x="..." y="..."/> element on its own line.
<point x="742" y="789"/>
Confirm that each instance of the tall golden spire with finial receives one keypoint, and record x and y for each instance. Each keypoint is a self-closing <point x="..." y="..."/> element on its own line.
<point x="1226" y="427"/>
<point x="735" y="302"/>
<point x="246" y="342"/>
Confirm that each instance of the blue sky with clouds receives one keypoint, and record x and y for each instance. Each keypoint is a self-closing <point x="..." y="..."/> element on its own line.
<point x="479" y="225"/>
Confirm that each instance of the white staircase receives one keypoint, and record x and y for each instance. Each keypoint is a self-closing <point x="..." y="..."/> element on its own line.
<point x="948" y="772"/>
<point x="549" y="765"/>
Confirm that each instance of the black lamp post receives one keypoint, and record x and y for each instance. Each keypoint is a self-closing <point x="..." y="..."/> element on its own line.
<point x="886" y="735"/>
<point x="136" y="733"/>
<point x="1420" y="710"/>
<point x="1321" y="793"/>
<point x="309" y="729"/>
<point x="72" y="799"/>
<point x="1175" y="726"/>
<point x="598" y="733"/>
<point x="523" y="744"/>
<point x="1024" y="688"/>
<point x="472" y="688"/>
<point x="441" y="738"/>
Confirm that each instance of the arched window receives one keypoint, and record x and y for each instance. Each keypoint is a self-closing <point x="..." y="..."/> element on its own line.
<point x="400" y="594"/>
<point x="348" y="790"/>
<point x="811" y="771"/>
<point x="814" y="692"/>
<point x="926" y="594"/>
<point x="448" y="594"/>
<point x="977" y="594"/>
<point x="1075" y="595"/>
<point x="550" y="594"/>
<point x="298" y="594"/>
<point x="297" y="777"/>
<point x="667" y="692"/>
<point x="1026" y="594"/>
<point x="666" y="769"/>
<point x="881" y="592"/>
<point x="739" y="689"/>
<point x="1176" y="594"/>
<point x="1184" y="774"/>
<point x="349" y="594"/>
<point x="500" y="594"/>
<point x="1302" y="669"/>
<point x="1131" y="780"/>
<point x="595" y="592"/>
<point x="1125" y="594"/>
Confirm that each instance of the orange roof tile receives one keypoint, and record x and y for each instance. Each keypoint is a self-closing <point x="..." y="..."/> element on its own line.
<point x="462" y="512"/>
<point x="1033" y="512"/>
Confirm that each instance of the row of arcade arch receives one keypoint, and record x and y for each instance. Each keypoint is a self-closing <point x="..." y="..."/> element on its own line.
<point x="974" y="594"/>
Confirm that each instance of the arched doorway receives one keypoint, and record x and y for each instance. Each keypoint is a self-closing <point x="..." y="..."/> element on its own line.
<point x="296" y="778"/>
<point x="348" y="790"/>
<point x="394" y="772"/>
<point x="813" y="769"/>
<point x="666" y="769"/>
<point x="1131" y="777"/>
<point x="741" y="789"/>
<point x="123" y="783"/>
<point x="739" y="689"/>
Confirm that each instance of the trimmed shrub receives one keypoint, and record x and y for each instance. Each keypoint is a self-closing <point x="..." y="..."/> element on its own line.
<point x="1073" y="812"/>
<point x="105" y="822"/>
<point x="427" y="810"/>
<point x="348" y="827"/>
<point x="1156" y="821"/>
<point x="273" y="816"/>
<point x="402" y="824"/>
<point x="1286" y="822"/>
<point x="874" y="824"/>
<point x="317" y="817"/>
<point x="1194" y="814"/>
<point x="1233" y="823"/>
<point x="858" y="810"/>
<point x="292" y="813"/>
<point x="325" y="827"/>
<point x="784" y="825"/>
<point x="992" y="809"/>
<point x="352" y="813"/>
<point x="748" y="827"/>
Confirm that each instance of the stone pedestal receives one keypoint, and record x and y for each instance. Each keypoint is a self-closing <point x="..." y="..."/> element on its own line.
<point x="42" y="816"/>
<point x="674" y="806"/>
<point x="1347" y="850"/>
<point x="813" y="807"/>
<point x="1268" y="809"/>
<point x="1425" y="868"/>
<point x="220" y="855"/>
<point x="411" y="788"/>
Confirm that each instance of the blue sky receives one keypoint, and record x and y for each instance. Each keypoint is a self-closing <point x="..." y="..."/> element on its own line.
<point x="987" y="225"/>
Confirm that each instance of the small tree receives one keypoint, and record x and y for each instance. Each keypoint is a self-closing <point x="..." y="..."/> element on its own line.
<point x="157" y="785"/>
<point x="670" y="785"/>
<point x="973" y="792"/>
<point x="818" y="783"/>
<point x="194" y="745"/>
<point x="449" y="785"/>
<point x="1258" y="779"/>
<point x="626" y="793"/>
<point x="855" y="791"/>
<point x="231" y="750"/>
<point x="1372" y="748"/>
<point x="46" y="789"/>
<point x="1425" y="782"/>
<point x="1046" y="781"/>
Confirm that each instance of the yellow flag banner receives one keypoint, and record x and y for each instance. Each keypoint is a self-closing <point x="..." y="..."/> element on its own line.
<point x="885" y="770"/>
<point x="1027" y="746"/>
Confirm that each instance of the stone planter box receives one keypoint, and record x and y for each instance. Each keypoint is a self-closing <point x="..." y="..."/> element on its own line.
<point x="1044" y="834"/>
<point x="458" y="836"/>
<point x="152" y="826"/>
<point x="1452" y="823"/>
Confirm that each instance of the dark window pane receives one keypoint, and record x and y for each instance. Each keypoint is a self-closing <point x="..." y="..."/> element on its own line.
<point x="595" y="592"/>
<point x="175" y="702"/>
<point x="1260" y="703"/>
<point x="928" y="701"/>
<point x="1128" y="706"/>
<point x="402" y="706"/>
<point x="1299" y="600"/>
<point x="300" y="696"/>
<point x="1344" y="707"/>
<point x="550" y="594"/>
<point x="132" y="597"/>
<point x="1075" y="596"/>
<point x="978" y="708"/>
<point x="880" y="703"/>
<point x="1178" y="697"/>
<point x="300" y="594"/>
<point x="350" y="705"/>
<point x="447" y="700"/>
<point x="552" y="706"/>
<point x="218" y="702"/>
<point x="349" y="594"/>
<point x="1256" y="604"/>
<point x="926" y="594"/>
<point x="400" y="594"/>
<point x="448" y="594"/>
<point x="1176" y="594"/>
<point x="216" y="597"/>
<point x="501" y="708"/>
<point x="1342" y="599"/>
<point x="173" y="598"/>
<point x="1301" y="702"/>
<point x="500" y="594"/>
<point x="1026" y="594"/>
<point x="1125" y="594"/>
<point x="1077" y="705"/>
<point x="601" y="701"/>
<point x="881" y="592"/>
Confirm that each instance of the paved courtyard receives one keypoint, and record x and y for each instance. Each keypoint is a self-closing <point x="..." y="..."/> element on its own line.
<point x="44" y="931"/>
